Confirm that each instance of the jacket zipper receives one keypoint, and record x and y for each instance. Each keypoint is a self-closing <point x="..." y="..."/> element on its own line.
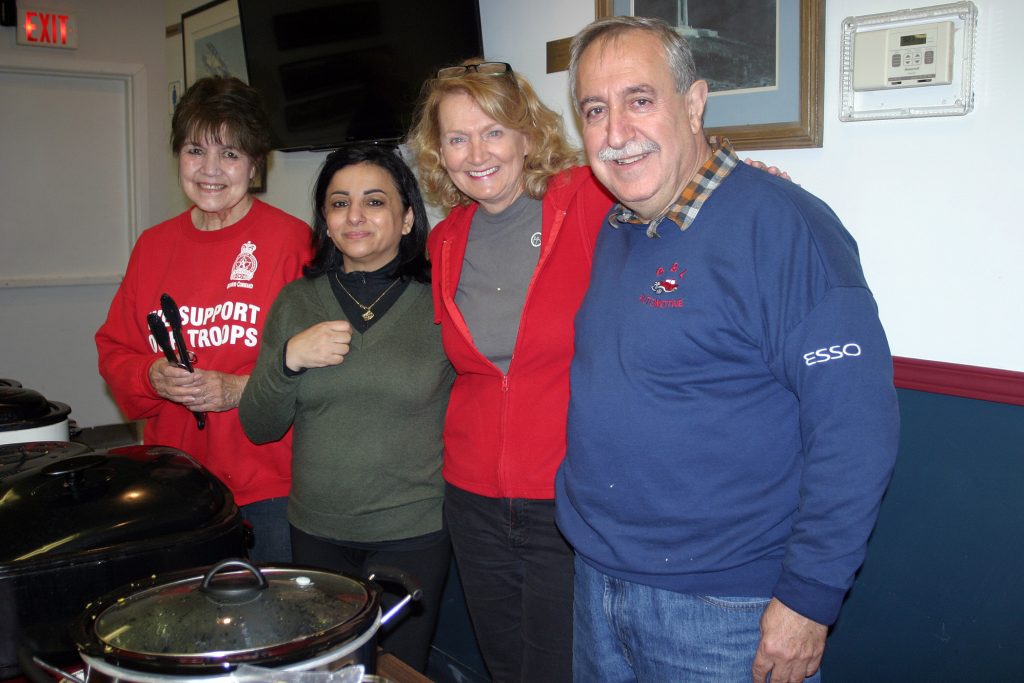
<point x="455" y="315"/>
<point x="556" y="226"/>
<point x="502" y="479"/>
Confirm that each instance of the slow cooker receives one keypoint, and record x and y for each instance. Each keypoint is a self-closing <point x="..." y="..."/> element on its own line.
<point x="201" y="625"/>
<point x="25" y="415"/>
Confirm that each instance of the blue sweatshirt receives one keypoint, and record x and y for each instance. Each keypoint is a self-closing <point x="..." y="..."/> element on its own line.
<point x="733" y="421"/>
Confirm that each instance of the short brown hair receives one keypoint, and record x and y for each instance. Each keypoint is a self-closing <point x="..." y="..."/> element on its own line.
<point x="223" y="106"/>
<point x="509" y="100"/>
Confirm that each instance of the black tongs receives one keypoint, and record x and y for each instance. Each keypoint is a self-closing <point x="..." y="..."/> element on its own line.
<point x="163" y="340"/>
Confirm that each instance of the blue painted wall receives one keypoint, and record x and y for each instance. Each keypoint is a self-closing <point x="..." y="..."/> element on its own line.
<point x="941" y="594"/>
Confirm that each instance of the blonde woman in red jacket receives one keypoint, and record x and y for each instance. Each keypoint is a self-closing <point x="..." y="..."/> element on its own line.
<point x="510" y="265"/>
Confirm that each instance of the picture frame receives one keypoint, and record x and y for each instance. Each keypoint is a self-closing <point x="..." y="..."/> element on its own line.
<point x="790" y="114"/>
<point x="211" y="41"/>
<point x="212" y="45"/>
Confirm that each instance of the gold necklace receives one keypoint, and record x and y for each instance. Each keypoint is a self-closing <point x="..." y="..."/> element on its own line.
<point x="367" y="310"/>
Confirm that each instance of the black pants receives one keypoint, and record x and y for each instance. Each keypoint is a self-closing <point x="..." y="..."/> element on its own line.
<point x="409" y="634"/>
<point x="271" y="531"/>
<point x="517" y="573"/>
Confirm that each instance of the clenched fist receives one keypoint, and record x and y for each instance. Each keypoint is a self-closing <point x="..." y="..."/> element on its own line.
<point x="319" y="346"/>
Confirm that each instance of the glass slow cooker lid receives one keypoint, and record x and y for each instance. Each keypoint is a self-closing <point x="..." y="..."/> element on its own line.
<point x="236" y="612"/>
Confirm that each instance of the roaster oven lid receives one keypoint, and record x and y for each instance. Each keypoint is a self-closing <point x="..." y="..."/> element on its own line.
<point x="60" y="500"/>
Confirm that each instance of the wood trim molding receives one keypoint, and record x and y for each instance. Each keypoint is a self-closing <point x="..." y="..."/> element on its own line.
<point x="558" y="55"/>
<point x="967" y="381"/>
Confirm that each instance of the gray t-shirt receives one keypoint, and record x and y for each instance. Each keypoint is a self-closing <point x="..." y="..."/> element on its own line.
<point x="501" y="255"/>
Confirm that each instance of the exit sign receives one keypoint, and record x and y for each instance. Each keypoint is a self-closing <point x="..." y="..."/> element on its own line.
<point x="47" y="28"/>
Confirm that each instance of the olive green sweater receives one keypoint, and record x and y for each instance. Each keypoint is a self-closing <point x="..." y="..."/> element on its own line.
<point x="367" y="450"/>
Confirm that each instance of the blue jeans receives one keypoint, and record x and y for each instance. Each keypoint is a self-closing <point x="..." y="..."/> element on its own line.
<point x="272" y="533"/>
<point x="626" y="631"/>
<point x="516" y="572"/>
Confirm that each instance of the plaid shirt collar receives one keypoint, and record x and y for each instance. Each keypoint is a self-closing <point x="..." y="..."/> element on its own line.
<point x="684" y="210"/>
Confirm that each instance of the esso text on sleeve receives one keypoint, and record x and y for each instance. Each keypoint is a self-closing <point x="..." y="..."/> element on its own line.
<point x="826" y="354"/>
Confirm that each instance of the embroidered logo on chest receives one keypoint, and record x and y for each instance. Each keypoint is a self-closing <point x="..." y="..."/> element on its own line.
<point x="244" y="267"/>
<point x="666" y="288"/>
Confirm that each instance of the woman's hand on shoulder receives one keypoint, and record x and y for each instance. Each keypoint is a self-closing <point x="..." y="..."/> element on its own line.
<point x="319" y="346"/>
<point x="774" y="170"/>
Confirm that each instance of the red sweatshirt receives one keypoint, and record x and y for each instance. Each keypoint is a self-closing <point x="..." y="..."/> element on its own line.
<point x="224" y="282"/>
<point x="504" y="434"/>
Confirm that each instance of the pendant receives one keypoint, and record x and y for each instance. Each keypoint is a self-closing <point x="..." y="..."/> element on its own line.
<point x="368" y="316"/>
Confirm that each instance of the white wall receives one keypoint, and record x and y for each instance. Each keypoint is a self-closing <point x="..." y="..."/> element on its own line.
<point x="47" y="341"/>
<point x="931" y="201"/>
<point x="47" y="331"/>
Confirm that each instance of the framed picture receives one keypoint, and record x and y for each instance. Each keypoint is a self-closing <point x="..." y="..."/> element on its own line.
<point x="211" y="39"/>
<point x="763" y="60"/>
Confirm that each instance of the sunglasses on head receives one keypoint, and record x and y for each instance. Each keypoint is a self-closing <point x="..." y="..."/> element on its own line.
<point x="485" y="68"/>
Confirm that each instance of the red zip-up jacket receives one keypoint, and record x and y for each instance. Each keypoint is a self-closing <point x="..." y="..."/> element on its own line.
<point x="504" y="434"/>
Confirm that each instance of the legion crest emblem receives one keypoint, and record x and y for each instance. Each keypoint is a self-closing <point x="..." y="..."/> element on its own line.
<point x="244" y="267"/>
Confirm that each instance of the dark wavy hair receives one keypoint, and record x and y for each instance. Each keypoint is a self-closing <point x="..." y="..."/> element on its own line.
<point x="412" y="260"/>
<point x="219" y="107"/>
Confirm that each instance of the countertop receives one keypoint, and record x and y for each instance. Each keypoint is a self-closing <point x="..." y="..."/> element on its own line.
<point x="398" y="671"/>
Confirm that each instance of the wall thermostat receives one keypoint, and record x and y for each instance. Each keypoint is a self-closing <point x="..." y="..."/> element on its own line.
<point x="904" y="57"/>
<point x="909" y="63"/>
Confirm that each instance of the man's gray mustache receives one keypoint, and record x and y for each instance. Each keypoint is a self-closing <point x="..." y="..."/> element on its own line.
<point x="632" y="148"/>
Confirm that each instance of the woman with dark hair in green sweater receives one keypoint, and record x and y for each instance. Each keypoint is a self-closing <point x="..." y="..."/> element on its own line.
<point x="352" y="358"/>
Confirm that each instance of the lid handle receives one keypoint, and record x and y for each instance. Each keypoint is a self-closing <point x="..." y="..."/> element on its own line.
<point x="394" y="575"/>
<point x="74" y="471"/>
<point x="73" y="467"/>
<point x="233" y="591"/>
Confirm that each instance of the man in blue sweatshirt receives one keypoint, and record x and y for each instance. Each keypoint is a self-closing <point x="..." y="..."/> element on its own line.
<point x="733" y="422"/>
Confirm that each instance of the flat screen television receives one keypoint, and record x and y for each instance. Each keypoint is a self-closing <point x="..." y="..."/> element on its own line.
<point x="333" y="72"/>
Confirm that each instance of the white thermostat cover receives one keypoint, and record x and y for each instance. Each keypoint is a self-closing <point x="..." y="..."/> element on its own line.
<point x="908" y="64"/>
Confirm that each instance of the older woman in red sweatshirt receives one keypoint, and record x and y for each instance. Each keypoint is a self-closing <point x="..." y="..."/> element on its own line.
<point x="223" y="262"/>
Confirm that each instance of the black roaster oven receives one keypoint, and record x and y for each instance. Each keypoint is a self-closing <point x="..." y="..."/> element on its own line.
<point x="77" y="523"/>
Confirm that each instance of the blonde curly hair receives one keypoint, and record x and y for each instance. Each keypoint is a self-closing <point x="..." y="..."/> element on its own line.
<point x="508" y="99"/>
